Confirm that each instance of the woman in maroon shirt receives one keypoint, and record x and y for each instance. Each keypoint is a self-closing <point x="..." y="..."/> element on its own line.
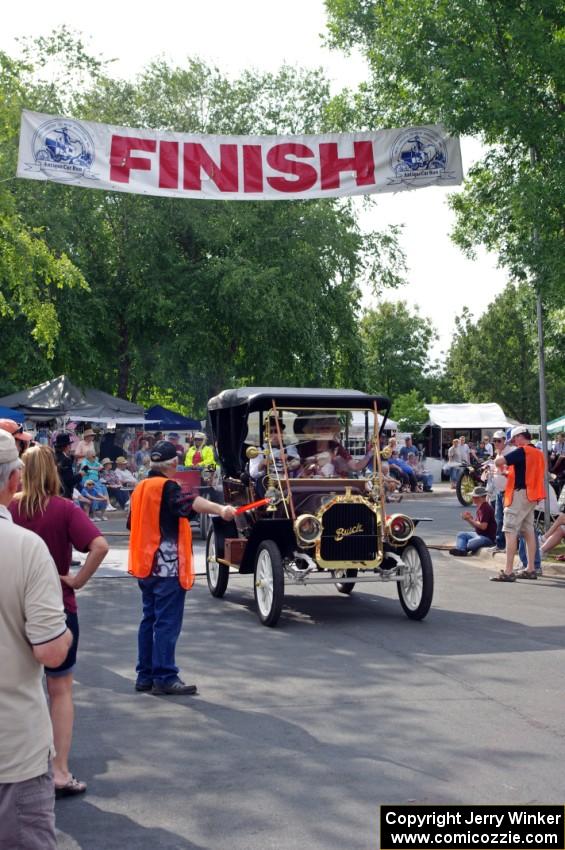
<point x="62" y="525"/>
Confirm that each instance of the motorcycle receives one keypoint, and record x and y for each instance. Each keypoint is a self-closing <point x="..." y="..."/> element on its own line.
<point x="475" y="474"/>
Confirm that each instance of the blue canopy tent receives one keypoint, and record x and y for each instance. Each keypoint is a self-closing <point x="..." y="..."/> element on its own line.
<point x="8" y="413"/>
<point x="162" y="419"/>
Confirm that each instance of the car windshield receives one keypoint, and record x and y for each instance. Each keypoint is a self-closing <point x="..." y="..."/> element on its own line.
<point x="317" y="443"/>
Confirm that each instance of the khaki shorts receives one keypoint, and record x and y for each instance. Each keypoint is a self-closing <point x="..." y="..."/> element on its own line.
<point x="519" y="516"/>
<point x="27" y="814"/>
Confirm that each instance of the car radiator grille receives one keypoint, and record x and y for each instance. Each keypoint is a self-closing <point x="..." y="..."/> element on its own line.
<point x="349" y="533"/>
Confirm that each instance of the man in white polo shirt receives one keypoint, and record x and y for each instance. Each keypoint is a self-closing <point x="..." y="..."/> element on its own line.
<point x="33" y="632"/>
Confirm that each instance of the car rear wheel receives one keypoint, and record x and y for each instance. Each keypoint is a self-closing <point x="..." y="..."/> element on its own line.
<point x="345" y="587"/>
<point x="464" y="488"/>
<point x="269" y="582"/>
<point x="205" y="523"/>
<point x="416" y="588"/>
<point x="217" y="575"/>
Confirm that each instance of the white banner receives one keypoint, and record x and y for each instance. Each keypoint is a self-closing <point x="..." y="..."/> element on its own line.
<point x="242" y="168"/>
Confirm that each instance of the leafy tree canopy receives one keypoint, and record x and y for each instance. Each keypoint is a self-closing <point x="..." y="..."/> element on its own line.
<point x="492" y="68"/>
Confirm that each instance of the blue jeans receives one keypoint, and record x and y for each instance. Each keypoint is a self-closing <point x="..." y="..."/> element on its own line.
<point x="499" y="516"/>
<point x="523" y="554"/>
<point x="159" y="630"/>
<point x="426" y="478"/>
<point x="470" y="541"/>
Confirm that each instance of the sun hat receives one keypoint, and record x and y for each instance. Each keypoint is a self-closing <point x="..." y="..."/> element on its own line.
<point x="8" y="447"/>
<point x="479" y="492"/>
<point x="161" y="451"/>
<point x="198" y="435"/>
<point x="15" y="430"/>
<point x="121" y="459"/>
<point x="105" y="460"/>
<point x="88" y="433"/>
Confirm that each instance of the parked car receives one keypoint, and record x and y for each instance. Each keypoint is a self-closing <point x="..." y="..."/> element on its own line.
<point x="308" y="514"/>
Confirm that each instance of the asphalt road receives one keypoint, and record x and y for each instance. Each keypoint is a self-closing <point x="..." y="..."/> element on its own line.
<point x="300" y="732"/>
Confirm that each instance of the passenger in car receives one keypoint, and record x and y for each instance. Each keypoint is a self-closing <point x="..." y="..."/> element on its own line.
<point x="323" y="455"/>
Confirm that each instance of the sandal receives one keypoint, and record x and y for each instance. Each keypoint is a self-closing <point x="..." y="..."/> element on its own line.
<point x="504" y="577"/>
<point x="70" y="788"/>
<point x="560" y="558"/>
<point x="527" y="574"/>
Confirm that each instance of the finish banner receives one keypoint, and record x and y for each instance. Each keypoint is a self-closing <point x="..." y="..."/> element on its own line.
<point x="241" y="168"/>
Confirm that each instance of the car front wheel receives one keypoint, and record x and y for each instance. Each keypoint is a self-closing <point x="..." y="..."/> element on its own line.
<point x="416" y="587"/>
<point x="269" y="582"/>
<point x="217" y="575"/>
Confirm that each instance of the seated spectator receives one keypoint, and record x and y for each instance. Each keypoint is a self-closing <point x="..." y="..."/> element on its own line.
<point x="93" y="491"/>
<point x="110" y="479"/>
<point x="554" y="536"/>
<point x="199" y="454"/>
<point x="483" y="523"/>
<point x="426" y="479"/>
<point x="407" y="449"/>
<point x="124" y="475"/>
<point x="81" y="501"/>
<point x="395" y="462"/>
<point x="391" y="485"/>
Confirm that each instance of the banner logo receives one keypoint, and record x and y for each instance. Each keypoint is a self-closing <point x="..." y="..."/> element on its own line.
<point x="62" y="150"/>
<point x="419" y="158"/>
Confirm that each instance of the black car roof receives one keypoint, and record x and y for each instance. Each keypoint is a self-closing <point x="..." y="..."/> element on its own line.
<point x="257" y="398"/>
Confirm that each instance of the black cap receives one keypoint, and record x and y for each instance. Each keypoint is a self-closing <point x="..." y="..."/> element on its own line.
<point x="163" y="450"/>
<point x="62" y="440"/>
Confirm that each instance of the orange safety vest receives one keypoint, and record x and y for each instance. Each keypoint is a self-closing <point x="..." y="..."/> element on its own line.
<point x="535" y="469"/>
<point x="145" y="533"/>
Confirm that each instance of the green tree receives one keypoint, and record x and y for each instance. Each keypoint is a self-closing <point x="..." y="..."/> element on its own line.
<point x="32" y="275"/>
<point x="409" y="411"/>
<point x="493" y="358"/>
<point x="492" y="68"/>
<point x="397" y="344"/>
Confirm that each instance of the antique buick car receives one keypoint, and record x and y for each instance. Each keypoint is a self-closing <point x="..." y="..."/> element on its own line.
<point x="309" y="511"/>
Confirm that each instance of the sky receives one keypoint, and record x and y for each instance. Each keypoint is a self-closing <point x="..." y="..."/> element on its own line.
<point x="264" y="34"/>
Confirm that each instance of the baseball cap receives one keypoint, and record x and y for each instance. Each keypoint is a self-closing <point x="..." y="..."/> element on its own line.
<point x="518" y="429"/>
<point x="163" y="450"/>
<point x="198" y="435"/>
<point x="478" y="492"/>
<point x="15" y="430"/>
<point x="89" y="433"/>
<point x="173" y="436"/>
<point x="8" y="448"/>
<point x="499" y="435"/>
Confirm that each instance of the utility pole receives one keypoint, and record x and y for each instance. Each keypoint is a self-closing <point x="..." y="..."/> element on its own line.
<point x="541" y="362"/>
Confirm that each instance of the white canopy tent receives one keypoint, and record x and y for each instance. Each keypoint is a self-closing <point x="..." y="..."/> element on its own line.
<point x="465" y="416"/>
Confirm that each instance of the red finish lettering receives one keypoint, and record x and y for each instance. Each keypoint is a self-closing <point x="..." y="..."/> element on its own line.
<point x="362" y="163"/>
<point x="169" y="165"/>
<point x="252" y="168"/>
<point x="305" y="174"/>
<point x="223" y="175"/>
<point x="121" y="163"/>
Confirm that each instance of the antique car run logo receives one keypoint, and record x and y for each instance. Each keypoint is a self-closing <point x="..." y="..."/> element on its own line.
<point x="63" y="150"/>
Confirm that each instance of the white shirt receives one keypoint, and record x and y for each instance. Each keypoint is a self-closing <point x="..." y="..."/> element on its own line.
<point x="125" y="477"/>
<point x="291" y="453"/>
<point x="31" y="612"/>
